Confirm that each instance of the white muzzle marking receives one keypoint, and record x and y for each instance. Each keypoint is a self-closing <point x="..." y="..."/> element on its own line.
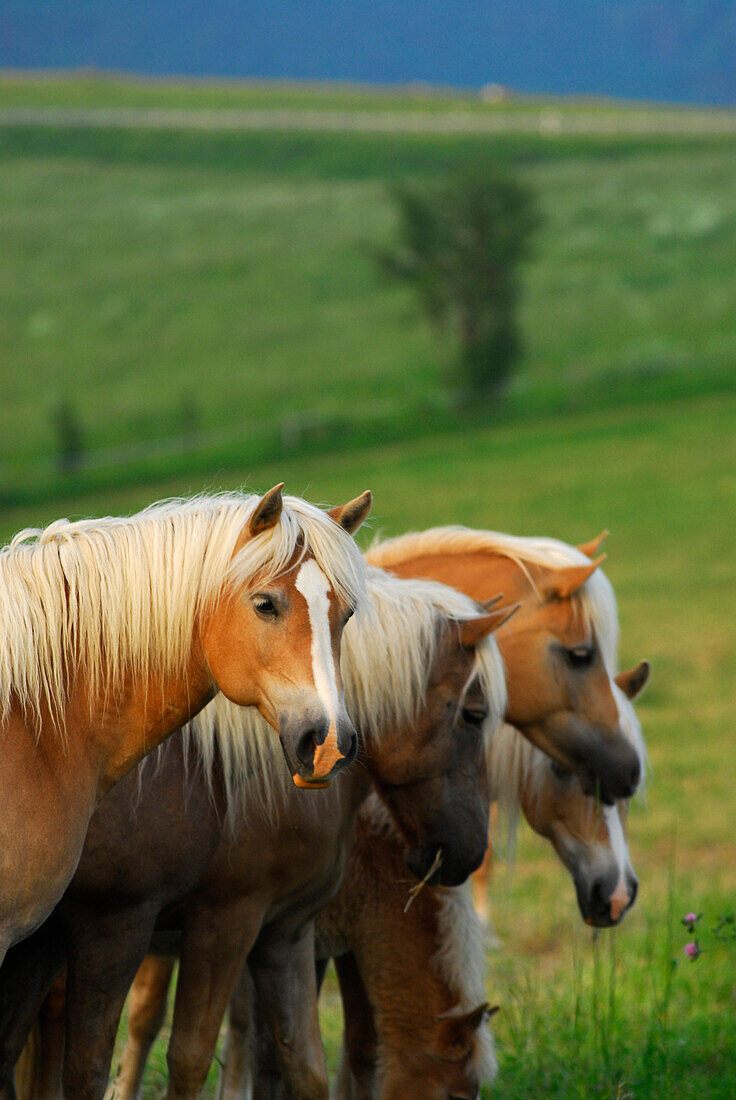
<point x="620" y="896"/>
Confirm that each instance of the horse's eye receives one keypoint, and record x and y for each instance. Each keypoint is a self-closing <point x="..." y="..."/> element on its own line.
<point x="473" y="717"/>
<point x="265" y="607"/>
<point x="349" y="614"/>
<point x="561" y="772"/>
<point x="581" y="656"/>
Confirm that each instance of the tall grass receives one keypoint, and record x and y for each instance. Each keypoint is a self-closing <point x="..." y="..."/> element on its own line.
<point x="616" y="1019"/>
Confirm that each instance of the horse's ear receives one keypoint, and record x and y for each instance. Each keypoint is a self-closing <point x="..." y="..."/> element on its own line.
<point x="559" y="584"/>
<point x="456" y="1032"/>
<point x="473" y="631"/>
<point x="590" y="549"/>
<point x="351" y="515"/>
<point x="633" y="682"/>
<point x="267" y="512"/>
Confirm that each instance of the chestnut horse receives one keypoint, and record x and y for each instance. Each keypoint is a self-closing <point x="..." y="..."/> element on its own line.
<point x="588" y="838"/>
<point x="411" y="984"/>
<point x="115" y="632"/>
<point x="426" y="688"/>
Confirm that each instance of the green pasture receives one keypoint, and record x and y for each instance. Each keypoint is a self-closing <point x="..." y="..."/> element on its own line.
<point x="149" y="274"/>
<point x="141" y="271"/>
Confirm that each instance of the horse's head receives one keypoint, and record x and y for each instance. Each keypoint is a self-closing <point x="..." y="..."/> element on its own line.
<point x="272" y="641"/>
<point x="450" y="1065"/>
<point x="558" y="653"/>
<point x="426" y="764"/>
<point x="590" y="839"/>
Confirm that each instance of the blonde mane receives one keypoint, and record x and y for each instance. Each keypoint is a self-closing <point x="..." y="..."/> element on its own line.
<point x="102" y="599"/>
<point x="389" y="656"/>
<point x="388" y="652"/>
<point x="460" y="961"/>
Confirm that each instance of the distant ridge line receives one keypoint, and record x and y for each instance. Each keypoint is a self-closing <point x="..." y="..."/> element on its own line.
<point x="547" y="120"/>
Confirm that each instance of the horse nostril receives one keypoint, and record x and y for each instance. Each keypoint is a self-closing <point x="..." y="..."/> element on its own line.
<point x="598" y="903"/>
<point x="306" y="745"/>
<point x="352" y="748"/>
<point x="633" y="885"/>
<point x="635" y="775"/>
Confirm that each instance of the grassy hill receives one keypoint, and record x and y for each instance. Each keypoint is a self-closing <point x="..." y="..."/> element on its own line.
<point x="148" y="273"/>
<point x="155" y="276"/>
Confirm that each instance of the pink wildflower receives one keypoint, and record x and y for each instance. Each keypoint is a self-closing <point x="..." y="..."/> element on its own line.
<point x="690" y="918"/>
<point x="692" y="950"/>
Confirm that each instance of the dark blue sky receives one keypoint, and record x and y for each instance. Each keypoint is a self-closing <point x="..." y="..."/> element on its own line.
<point x="677" y="50"/>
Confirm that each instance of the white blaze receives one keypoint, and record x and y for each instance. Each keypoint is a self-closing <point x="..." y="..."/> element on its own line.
<point x="314" y="586"/>
<point x="619" y="847"/>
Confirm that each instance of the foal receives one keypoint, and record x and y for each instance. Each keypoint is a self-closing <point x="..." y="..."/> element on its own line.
<point x="115" y="632"/>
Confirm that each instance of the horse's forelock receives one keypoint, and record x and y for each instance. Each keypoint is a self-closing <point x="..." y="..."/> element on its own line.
<point x="596" y="598"/>
<point x="302" y="529"/>
<point x="388" y="656"/>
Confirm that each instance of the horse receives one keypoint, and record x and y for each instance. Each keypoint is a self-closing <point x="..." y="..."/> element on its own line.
<point x="559" y="651"/>
<point x="412" y="979"/>
<point x="241" y="856"/>
<point x="116" y="631"/>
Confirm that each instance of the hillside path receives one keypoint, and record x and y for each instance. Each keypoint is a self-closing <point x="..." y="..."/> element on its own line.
<point x="547" y="120"/>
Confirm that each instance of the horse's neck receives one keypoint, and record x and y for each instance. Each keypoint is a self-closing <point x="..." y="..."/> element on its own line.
<point x="376" y="889"/>
<point x="120" y="729"/>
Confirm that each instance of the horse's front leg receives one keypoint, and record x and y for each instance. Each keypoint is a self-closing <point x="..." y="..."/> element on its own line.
<point x="215" y="942"/>
<point x="237" y="1081"/>
<point x="105" y="951"/>
<point x="26" y="975"/>
<point x="357" y="1071"/>
<point x="46" y="1048"/>
<point x="146" y="1014"/>
<point x="284" y="977"/>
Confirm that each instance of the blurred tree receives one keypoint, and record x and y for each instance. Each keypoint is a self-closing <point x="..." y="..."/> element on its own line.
<point x="70" y="440"/>
<point x="460" y="243"/>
